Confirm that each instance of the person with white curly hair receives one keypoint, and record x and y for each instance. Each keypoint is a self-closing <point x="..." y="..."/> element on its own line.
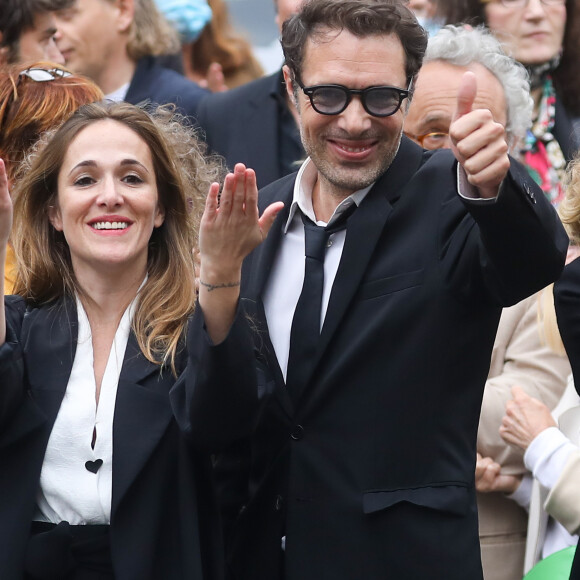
<point x="505" y="89"/>
<point x="519" y="356"/>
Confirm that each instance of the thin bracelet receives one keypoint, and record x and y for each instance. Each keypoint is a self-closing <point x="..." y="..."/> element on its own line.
<point x="211" y="287"/>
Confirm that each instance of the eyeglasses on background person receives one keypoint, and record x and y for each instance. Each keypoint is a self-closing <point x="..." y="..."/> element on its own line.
<point x="382" y="101"/>
<point x="431" y="141"/>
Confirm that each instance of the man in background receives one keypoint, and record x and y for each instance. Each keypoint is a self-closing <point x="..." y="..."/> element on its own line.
<point x="520" y="356"/>
<point x="28" y="30"/>
<point x="115" y="42"/>
<point x="256" y="124"/>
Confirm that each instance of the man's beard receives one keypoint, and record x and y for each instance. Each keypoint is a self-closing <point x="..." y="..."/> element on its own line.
<point x="344" y="180"/>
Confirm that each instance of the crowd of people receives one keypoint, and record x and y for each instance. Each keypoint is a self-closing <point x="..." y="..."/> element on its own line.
<point x="315" y="324"/>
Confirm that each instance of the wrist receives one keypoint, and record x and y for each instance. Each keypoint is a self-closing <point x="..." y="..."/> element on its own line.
<point x="219" y="278"/>
<point x="210" y="287"/>
<point x="219" y="273"/>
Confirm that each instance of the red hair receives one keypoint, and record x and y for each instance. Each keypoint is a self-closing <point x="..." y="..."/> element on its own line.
<point x="28" y="108"/>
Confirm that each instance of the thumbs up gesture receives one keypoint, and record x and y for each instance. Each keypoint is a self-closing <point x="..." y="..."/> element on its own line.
<point x="478" y="142"/>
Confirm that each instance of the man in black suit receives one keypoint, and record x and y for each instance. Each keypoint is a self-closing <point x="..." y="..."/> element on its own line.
<point x="361" y="465"/>
<point x="256" y="124"/>
<point x="116" y="42"/>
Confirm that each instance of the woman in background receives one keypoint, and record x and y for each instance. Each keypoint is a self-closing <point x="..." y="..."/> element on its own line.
<point x="544" y="35"/>
<point x="220" y="58"/>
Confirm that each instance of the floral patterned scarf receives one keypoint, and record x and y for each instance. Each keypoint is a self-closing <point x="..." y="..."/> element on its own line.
<point x="542" y="154"/>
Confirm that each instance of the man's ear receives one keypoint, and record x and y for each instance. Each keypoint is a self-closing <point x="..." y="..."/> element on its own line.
<point x="290" y="89"/>
<point x="126" y="14"/>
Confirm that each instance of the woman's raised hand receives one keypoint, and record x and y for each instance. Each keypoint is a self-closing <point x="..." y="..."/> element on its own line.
<point x="231" y="226"/>
<point x="230" y="229"/>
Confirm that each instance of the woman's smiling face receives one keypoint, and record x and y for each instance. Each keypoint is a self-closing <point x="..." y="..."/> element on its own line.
<point x="108" y="204"/>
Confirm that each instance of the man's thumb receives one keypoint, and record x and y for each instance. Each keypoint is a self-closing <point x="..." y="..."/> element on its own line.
<point x="466" y="95"/>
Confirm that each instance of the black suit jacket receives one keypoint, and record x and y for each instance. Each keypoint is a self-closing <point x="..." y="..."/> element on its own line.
<point x="370" y="475"/>
<point x="567" y="303"/>
<point x="243" y="125"/>
<point x="566" y="131"/>
<point x="164" y="521"/>
<point x="152" y="83"/>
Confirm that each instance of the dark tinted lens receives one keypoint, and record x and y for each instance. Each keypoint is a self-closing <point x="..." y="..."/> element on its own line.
<point x="329" y="99"/>
<point x="382" y="101"/>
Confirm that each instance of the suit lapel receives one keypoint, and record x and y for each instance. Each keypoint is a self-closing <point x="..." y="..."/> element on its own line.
<point x="364" y="228"/>
<point x="142" y="415"/>
<point x="49" y="337"/>
<point x="257" y="269"/>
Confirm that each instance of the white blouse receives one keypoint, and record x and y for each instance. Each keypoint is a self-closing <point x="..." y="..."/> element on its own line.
<point x="69" y="491"/>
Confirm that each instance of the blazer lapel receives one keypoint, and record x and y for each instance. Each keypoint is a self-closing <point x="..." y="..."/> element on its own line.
<point x="49" y="338"/>
<point x="142" y="415"/>
<point x="257" y="269"/>
<point x="364" y="228"/>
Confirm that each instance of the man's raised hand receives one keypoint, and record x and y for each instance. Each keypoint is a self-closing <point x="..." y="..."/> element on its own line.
<point x="478" y="142"/>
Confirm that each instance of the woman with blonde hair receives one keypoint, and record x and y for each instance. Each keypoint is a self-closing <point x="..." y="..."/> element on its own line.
<point x="113" y="396"/>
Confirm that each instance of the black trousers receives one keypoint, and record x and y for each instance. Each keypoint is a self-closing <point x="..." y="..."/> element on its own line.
<point x="65" y="552"/>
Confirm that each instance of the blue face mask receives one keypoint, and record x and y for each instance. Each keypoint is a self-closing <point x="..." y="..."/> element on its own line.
<point x="431" y="25"/>
<point x="189" y="17"/>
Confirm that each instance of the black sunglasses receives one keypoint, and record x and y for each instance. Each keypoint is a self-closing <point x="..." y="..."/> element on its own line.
<point x="381" y="101"/>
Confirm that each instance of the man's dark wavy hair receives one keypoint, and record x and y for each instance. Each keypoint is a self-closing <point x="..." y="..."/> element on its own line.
<point x="359" y="17"/>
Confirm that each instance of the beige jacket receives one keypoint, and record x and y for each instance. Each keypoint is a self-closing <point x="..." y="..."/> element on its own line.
<point x="519" y="357"/>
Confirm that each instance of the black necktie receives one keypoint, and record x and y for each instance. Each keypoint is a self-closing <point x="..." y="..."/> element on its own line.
<point x="305" y="331"/>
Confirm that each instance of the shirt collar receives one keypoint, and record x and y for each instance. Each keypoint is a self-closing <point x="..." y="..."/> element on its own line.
<point x="119" y="94"/>
<point x="302" y="198"/>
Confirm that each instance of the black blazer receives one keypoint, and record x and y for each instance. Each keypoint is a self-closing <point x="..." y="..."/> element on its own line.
<point x="370" y="475"/>
<point x="567" y="303"/>
<point x="566" y="131"/>
<point x="243" y="125"/>
<point x="164" y="522"/>
<point x="157" y="85"/>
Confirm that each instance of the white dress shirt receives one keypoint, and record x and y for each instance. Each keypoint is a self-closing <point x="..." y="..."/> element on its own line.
<point x="284" y="284"/>
<point x="287" y="276"/>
